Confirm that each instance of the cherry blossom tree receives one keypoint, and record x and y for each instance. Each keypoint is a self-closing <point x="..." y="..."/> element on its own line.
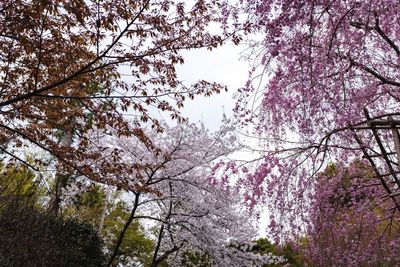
<point x="68" y="66"/>
<point x="170" y="186"/>
<point x="324" y="72"/>
<point x="349" y="223"/>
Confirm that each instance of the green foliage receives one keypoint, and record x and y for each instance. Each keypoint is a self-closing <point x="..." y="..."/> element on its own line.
<point x="331" y="170"/>
<point x="264" y="246"/>
<point x="135" y="245"/>
<point x="31" y="237"/>
<point x="22" y="218"/>
<point x="89" y="205"/>
<point x="17" y="181"/>
<point x="294" y="258"/>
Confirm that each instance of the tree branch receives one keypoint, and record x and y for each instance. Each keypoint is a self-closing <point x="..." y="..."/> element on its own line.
<point x="126" y="226"/>
<point x="78" y="72"/>
<point x="375" y="74"/>
<point x="379" y="30"/>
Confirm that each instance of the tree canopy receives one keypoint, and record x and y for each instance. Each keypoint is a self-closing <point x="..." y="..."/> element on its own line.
<point x="323" y="88"/>
<point x="84" y="157"/>
<point x="64" y="68"/>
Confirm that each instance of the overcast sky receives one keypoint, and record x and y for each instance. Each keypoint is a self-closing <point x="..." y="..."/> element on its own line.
<point x="221" y="65"/>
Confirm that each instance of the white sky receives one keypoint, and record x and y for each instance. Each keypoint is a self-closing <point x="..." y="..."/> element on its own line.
<point x="221" y="65"/>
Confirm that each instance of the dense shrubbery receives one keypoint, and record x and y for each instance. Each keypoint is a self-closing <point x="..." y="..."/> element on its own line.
<point x="31" y="237"/>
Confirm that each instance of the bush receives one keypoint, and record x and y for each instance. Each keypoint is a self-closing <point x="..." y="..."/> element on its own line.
<point x="31" y="237"/>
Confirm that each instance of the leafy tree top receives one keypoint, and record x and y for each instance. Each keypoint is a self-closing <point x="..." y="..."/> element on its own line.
<point x="319" y="65"/>
<point x="64" y="68"/>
